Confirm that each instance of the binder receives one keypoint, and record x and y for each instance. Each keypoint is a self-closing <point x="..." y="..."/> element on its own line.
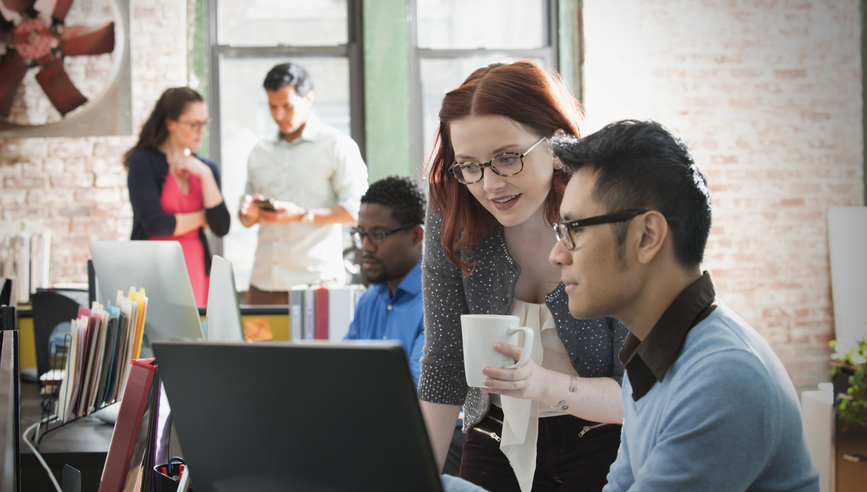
<point x="132" y="430"/>
<point x="309" y="314"/>
<point x="321" y="296"/>
<point x="341" y="310"/>
<point x="296" y="314"/>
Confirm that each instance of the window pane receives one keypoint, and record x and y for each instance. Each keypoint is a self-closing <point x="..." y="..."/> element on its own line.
<point x="440" y="75"/>
<point x="471" y="24"/>
<point x="275" y="22"/>
<point x="245" y="119"/>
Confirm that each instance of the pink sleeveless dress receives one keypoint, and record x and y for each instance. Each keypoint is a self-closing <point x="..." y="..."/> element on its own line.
<point x="174" y="201"/>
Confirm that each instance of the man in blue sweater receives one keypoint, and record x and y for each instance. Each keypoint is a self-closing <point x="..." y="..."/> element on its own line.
<point x="389" y="234"/>
<point x="707" y="403"/>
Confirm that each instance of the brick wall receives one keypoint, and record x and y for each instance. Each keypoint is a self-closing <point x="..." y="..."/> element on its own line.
<point x="768" y="93"/>
<point x="76" y="187"/>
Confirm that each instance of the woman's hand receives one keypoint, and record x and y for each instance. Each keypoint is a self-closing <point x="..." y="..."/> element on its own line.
<point x="185" y="165"/>
<point x="528" y="381"/>
<point x="595" y="399"/>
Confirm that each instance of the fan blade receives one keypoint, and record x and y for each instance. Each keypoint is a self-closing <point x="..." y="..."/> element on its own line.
<point x="61" y="8"/>
<point x="6" y="27"/>
<point x="58" y="87"/>
<point x="88" y="40"/>
<point x="20" y="6"/>
<point x="12" y="72"/>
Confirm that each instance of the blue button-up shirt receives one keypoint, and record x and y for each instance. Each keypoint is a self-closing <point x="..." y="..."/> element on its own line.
<point x="381" y="316"/>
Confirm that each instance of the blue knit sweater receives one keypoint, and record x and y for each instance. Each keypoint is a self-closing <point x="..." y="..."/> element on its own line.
<point x="726" y="417"/>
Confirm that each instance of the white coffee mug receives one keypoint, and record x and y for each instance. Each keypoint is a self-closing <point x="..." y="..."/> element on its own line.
<point x="480" y="333"/>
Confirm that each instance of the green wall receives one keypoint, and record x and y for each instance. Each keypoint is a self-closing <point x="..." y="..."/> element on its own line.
<point x="386" y="88"/>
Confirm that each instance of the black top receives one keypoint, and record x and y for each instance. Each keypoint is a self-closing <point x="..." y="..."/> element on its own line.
<point x="148" y="169"/>
<point x="648" y="360"/>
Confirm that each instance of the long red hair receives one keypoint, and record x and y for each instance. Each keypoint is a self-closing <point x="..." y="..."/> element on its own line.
<point x="521" y="91"/>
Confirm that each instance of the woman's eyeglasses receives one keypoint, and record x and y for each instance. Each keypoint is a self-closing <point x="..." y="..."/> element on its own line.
<point x="505" y="164"/>
<point x="376" y="237"/>
<point x="565" y="229"/>
<point x="196" y="126"/>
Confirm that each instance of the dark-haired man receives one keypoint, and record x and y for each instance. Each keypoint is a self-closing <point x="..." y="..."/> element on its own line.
<point x="389" y="234"/>
<point x="315" y="176"/>
<point x="707" y="403"/>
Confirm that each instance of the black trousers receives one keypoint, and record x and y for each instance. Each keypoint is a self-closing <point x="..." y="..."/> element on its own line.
<point x="569" y="456"/>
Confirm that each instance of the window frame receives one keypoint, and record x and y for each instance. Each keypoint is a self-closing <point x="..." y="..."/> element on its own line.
<point x="353" y="51"/>
<point x="553" y="11"/>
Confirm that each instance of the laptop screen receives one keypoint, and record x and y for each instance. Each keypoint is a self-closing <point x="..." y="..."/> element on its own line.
<point x="312" y="416"/>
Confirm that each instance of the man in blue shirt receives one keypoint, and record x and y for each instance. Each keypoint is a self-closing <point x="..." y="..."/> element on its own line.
<point x="707" y="404"/>
<point x="389" y="233"/>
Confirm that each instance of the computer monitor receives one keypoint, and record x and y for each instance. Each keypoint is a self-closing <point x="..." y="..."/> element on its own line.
<point x="159" y="267"/>
<point x="10" y="403"/>
<point x="223" y="314"/>
<point x="313" y="416"/>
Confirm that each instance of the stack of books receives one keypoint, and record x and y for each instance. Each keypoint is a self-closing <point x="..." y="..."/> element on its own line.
<point x="26" y="257"/>
<point x="322" y="313"/>
<point x="101" y="343"/>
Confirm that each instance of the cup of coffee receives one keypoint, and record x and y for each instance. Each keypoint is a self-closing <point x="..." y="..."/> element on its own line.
<point x="480" y="332"/>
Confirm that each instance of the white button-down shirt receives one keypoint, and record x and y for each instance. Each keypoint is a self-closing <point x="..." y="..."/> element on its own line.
<point x="321" y="168"/>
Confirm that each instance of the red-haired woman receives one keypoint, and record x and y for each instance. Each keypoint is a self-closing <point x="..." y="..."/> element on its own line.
<point x="495" y="191"/>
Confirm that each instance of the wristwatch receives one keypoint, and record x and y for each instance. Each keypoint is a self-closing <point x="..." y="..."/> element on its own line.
<point x="307" y="218"/>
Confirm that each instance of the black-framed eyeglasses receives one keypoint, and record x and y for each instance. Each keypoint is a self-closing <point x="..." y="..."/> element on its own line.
<point x="506" y="164"/>
<point x="565" y="229"/>
<point x="196" y="126"/>
<point x="376" y="237"/>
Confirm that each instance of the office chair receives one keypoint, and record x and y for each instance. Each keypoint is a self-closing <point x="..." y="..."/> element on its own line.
<point x="49" y="310"/>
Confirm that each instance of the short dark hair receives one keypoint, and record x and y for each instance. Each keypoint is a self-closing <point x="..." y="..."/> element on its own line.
<point x="286" y="74"/>
<point x="642" y="165"/>
<point x="401" y="195"/>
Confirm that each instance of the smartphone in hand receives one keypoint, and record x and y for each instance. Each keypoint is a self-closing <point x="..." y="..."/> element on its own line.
<point x="267" y="204"/>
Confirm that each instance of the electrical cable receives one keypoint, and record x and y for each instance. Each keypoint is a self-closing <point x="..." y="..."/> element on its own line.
<point x="39" y="456"/>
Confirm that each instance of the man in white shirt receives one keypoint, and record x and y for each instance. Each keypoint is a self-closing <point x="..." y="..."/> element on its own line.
<point x="301" y="186"/>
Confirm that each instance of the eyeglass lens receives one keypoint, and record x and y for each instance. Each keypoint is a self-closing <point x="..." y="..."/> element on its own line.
<point x="504" y="164"/>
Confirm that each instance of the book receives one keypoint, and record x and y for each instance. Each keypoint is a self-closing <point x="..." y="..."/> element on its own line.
<point x="296" y="314"/>
<point x="321" y="313"/>
<point x="309" y="314"/>
<point x="107" y="357"/>
<point x="341" y="310"/>
<point x="132" y="429"/>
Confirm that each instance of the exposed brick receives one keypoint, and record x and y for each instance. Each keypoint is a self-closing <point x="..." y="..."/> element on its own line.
<point x="23" y="212"/>
<point x="72" y="180"/>
<point x="13" y="197"/>
<point x="49" y="196"/>
<point x="97" y="195"/>
<point x="69" y="147"/>
<point x="115" y="180"/>
<point x="22" y="182"/>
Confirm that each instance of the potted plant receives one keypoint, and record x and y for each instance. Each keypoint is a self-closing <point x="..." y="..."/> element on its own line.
<point x="850" y="369"/>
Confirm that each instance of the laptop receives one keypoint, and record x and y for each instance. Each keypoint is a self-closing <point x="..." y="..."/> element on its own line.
<point x="312" y="416"/>
<point x="159" y="267"/>
<point x="223" y="314"/>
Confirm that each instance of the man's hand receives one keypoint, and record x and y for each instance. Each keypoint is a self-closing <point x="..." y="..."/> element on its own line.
<point x="285" y="212"/>
<point x="249" y="212"/>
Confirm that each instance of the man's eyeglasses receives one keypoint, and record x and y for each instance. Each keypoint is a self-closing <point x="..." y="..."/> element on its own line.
<point x="376" y="237"/>
<point x="565" y="230"/>
<point x="196" y="126"/>
<point x="505" y="164"/>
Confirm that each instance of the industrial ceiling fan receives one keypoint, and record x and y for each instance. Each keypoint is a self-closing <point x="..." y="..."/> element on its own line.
<point x="41" y="40"/>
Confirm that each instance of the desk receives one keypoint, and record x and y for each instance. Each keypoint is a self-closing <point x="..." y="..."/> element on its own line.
<point x="82" y="444"/>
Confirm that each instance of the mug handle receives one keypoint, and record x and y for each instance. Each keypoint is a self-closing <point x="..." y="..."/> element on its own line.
<point x="528" y="346"/>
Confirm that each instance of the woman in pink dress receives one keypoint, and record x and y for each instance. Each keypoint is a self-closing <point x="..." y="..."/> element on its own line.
<point x="175" y="194"/>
